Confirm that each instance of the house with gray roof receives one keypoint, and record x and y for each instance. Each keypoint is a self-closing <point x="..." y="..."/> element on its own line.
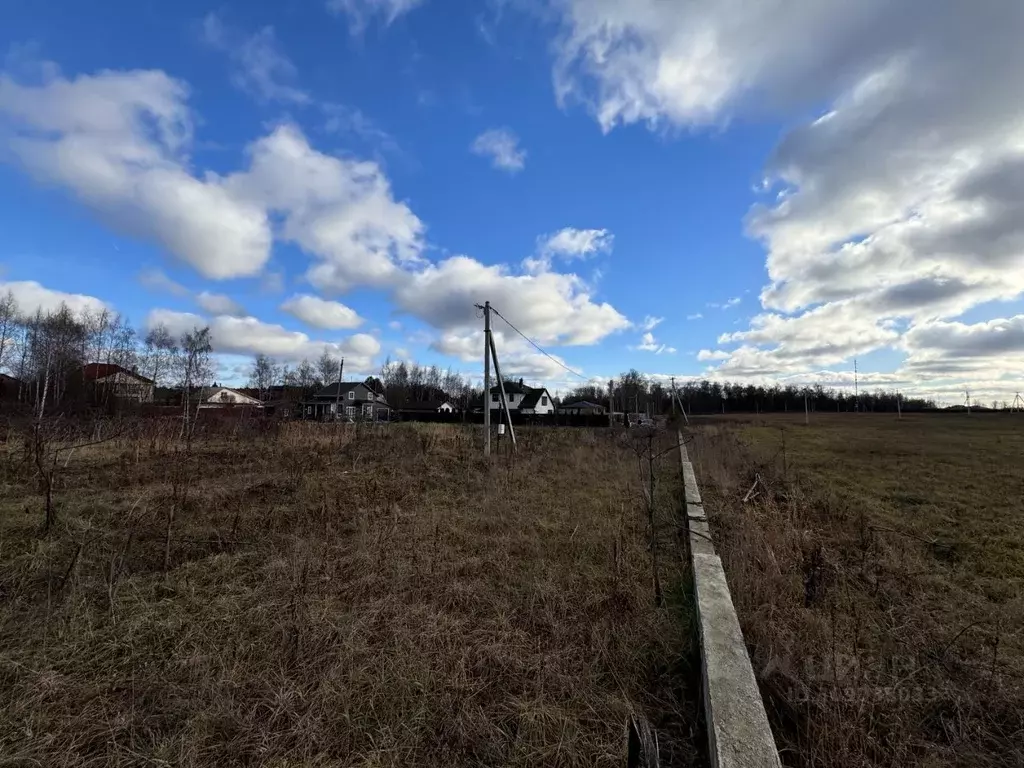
<point x="521" y="398"/>
<point x="347" y="400"/>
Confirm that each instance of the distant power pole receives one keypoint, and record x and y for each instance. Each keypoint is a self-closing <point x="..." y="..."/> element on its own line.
<point x="673" y="397"/>
<point x="856" y="391"/>
<point x="611" y="402"/>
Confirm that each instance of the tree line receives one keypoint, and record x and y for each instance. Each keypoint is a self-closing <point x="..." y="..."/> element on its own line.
<point x="634" y="392"/>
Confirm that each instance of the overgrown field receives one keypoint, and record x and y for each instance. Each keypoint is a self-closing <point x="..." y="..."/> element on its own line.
<point x="340" y="595"/>
<point x="878" y="570"/>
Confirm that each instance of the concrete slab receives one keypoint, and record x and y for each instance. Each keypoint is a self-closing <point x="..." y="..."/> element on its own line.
<point x="690" y="484"/>
<point x="739" y="735"/>
<point x="695" y="512"/>
<point x="700" y="538"/>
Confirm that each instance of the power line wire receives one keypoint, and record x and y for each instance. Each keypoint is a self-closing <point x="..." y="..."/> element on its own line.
<point x="538" y="347"/>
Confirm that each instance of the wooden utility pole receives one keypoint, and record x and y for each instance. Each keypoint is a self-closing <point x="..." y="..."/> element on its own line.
<point x="337" y="393"/>
<point x="611" y="402"/>
<point x="501" y="390"/>
<point x="487" y="378"/>
<point x="673" y="397"/>
<point x="899" y="408"/>
<point x="807" y="414"/>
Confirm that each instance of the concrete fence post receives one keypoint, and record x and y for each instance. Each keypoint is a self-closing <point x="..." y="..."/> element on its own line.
<point x="739" y="735"/>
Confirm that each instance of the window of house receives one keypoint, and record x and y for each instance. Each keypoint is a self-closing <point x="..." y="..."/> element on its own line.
<point x="351" y="394"/>
<point x="494" y="397"/>
<point x="350" y="410"/>
<point x="544" y="400"/>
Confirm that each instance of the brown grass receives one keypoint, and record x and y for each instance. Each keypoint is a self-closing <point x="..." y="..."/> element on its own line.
<point x="351" y="596"/>
<point x="879" y="577"/>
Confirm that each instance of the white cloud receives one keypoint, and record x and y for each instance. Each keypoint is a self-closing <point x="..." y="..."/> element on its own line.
<point x="550" y="307"/>
<point x="361" y="11"/>
<point x="501" y="145"/>
<point x="649" y="344"/>
<point x="650" y="322"/>
<point x="395" y="325"/>
<point x="707" y="354"/>
<point x="959" y="350"/>
<point x="118" y="141"/>
<point x="826" y="335"/>
<point x="259" y="67"/>
<point x="339" y="210"/>
<point x="156" y="280"/>
<point x="695" y="316"/>
<point x="31" y="296"/>
<point x="219" y="304"/>
<point x="573" y="243"/>
<point x="249" y="336"/>
<point x="320" y="313"/>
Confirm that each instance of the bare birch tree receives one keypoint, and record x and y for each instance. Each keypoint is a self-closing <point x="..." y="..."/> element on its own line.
<point x="195" y="371"/>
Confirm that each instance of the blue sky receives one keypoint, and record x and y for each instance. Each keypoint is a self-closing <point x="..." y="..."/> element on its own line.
<point x="684" y="188"/>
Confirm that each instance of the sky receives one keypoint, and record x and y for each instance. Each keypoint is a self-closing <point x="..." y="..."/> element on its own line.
<point x="732" y="189"/>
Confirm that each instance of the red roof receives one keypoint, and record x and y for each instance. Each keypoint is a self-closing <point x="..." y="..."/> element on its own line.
<point x="95" y="371"/>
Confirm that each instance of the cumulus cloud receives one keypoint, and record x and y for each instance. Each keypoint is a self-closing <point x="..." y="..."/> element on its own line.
<point x="118" y="141"/>
<point x="898" y="207"/>
<point x="571" y="243"/>
<point x="826" y="335"/>
<point x="249" y="336"/>
<point x="219" y="304"/>
<point x="501" y="145"/>
<point x="259" y="66"/>
<point x="339" y="210"/>
<point x="360" y="12"/>
<point x="954" y="349"/>
<point x="551" y="307"/>
<point x="32" y="296"/>
<point x="321" y="313"/>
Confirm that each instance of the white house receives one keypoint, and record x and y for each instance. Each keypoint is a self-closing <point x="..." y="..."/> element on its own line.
<point x="529" y="400"/>
<point x="222" y="397"/>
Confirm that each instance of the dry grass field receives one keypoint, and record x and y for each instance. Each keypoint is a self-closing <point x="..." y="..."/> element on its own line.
<point x="328" y="595"/>
<point x="878" y="570"/>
